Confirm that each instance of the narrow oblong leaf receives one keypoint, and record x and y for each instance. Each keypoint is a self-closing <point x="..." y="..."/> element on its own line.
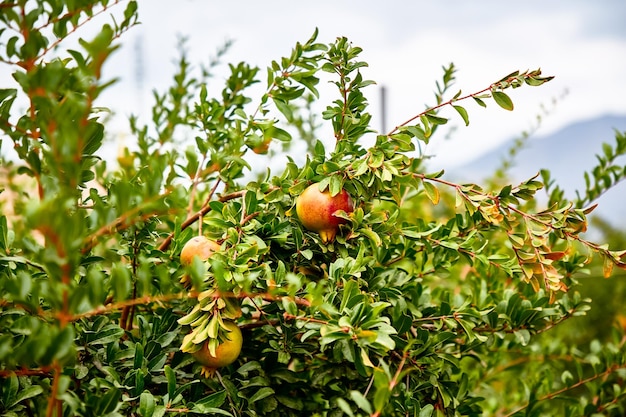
<point x="27" y="393"/>
<point x="431" y="191"/>
<point x="463" y="113"/>
<point x="480" y="102"/>
<point x="138" y="356"/>
<point x="261" y="393"/>
<point x="436" y="120"/>
<point x="109" y="401"/>
<point x="146" y="404"/>
<point x="211" y="401"/>
<point x="171" y="381"/>
<point x="503" y="100"/>
<point x="361" y="401"/>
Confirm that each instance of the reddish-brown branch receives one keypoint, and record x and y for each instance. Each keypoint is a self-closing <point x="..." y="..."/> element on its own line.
<point x="394" y="380"/>
<point x="491" y="87"/>
<point x="446" y="103"/>
<point x="289" y="316"/>
<point x="265" y="296"/>
<point x="43" y="371"/>
<point x="248" y="218"/>
<point x="572" y="236"/>
<point x="53" y="401"/>
<point x="109" y="308"/>
<point x="177" y="410"/>
<point x="556" y="393"/>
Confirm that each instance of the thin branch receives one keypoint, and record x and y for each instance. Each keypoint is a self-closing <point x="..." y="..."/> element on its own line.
<point x="502" y="84"/>
<point x="582" y="382"/>
<point x="29" y="64"/>
<point x="265" y="296"/>
<point x="430" y="109"/>
<point x="45" y="371"/>
<point x="289" y="316"/>
<point x="109" y="308"/>
<point x="395" y="379"/>
<point x="53" y="401"/>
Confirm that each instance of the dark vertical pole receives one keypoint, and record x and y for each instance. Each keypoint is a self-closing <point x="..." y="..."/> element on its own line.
<point x="383" y="109"/>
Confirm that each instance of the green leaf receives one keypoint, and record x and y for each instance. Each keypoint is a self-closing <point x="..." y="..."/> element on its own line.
<point x="210" y="402"/>
<point x="567" y="377"/>
<point x="62" y="344"/>
<point x="94" y="134"/>
<point x="171" y="381"/>
<point x="291" y="402"/>
<point x="4" y="236"/>
<point x="463" y="113"/>
<point x="381" y="397"/>
<point x="335" y="186"/>
<point x="345" y="407"/>
<point x="502" y="100"/>
<point x="210" y="411"/>
<point x="522" y="336"/>
<point x="361" y="401"/>
<point x="261" y="393"/>
<point x="479" y="101"/>
<point x="108" y="402"/>
<point x="431" y="191"/>
<point x="121" y="281"/>
<point x="138" y="362"/>
<point x="283" y="107"/>
<point x="251" y="202"/>
<point x="427" y="410"/>
<point x="372" y="236"/>
<point x="436" y="120"/>
<point x="108" y="334"/>
<point x="27" y="393"/>
<point x="147" y="404"/>
<point x="280" y="134"/>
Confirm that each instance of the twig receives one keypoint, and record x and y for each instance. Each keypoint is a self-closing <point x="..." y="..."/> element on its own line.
<point x="53" y="401"/>
<point x="551" y="395"/>
<point x="394" y="380"/>
<point x="43" y="371"/>
<point x="123" y="304"/>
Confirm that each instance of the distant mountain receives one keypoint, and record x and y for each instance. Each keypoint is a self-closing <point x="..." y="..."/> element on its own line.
<point x="566" y="153"/>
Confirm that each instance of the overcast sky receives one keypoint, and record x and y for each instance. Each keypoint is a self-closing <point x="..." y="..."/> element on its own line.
<point x="581" y="42"/>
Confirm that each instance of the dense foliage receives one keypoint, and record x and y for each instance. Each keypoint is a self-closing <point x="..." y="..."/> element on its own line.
<point x="433" y="299"/>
